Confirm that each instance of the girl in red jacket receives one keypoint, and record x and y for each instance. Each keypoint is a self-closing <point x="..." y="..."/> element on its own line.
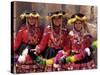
<point x="55" y="37"/>
<point x="28" y="36"/>
<point x="80" y="38"/>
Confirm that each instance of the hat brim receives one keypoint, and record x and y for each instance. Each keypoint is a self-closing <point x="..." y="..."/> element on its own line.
<point x="24" y="15"/>
<point x="73" y="20"/>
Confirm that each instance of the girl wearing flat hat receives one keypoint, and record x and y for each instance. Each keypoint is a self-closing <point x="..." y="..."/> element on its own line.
<point x="55" y="38"/>
<point x="28" y="36"/>
<point x="80" y="38"/>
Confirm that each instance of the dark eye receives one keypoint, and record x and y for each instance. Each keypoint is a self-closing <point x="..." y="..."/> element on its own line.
<point x="79" y="23"/>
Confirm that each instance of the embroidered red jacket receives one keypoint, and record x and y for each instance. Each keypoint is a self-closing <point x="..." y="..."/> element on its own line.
<point x="23" y="36"/>
<point x="48" y="39"/>
<point x="79" y="43"/>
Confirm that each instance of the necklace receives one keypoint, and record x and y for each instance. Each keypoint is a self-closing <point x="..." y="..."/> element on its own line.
<point x="56" y="36"/>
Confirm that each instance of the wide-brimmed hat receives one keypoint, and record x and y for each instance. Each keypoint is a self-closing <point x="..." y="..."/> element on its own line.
<point x="29" y="14"/>
<point x="56" y="14"/>
<point x="76" y="17"/>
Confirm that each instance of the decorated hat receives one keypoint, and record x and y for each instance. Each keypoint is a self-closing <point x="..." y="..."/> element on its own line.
<point x="56" y="14"/>
<point x="76" y="17"/>
<point x="29" y="14"/>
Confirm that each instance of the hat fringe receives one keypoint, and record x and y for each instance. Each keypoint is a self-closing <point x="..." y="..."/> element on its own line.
<point x="72" y="20"/>
<point x="22" y="16"/>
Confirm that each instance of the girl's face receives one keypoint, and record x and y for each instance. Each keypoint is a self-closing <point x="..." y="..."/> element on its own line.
<point x="57" y="21"/>
<point x="32" y="20"/>
<point x="78" y="25"/>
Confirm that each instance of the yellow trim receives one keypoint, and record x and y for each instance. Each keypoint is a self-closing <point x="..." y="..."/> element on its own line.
<point x="84" y="18"/>
<point x="33" y="15"/>
<point x="54" y="15"/>
<point x="60" y="14"/>
<point x="72" y="20"/>
<point x="22" y="16"/>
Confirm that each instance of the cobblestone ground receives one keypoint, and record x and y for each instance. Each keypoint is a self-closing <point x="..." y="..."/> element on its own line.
<point x="34" y="67"/>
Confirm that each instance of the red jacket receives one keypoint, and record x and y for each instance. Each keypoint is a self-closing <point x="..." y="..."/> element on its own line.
<point x="48" y="40"/>
<point x="79" y="43"/>
<point x="24" y="36"/>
